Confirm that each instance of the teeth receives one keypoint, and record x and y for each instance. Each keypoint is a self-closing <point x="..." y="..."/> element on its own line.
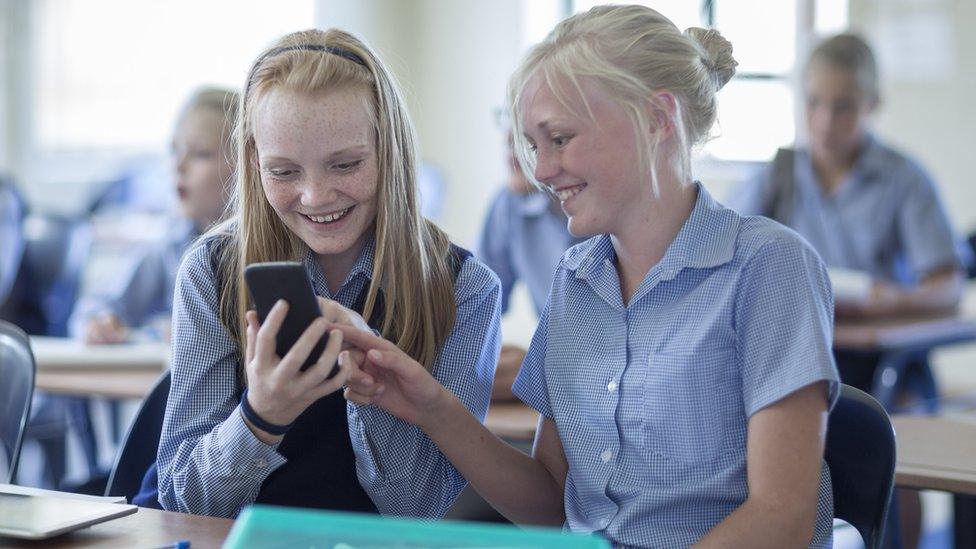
<point x="566" y="194"/>
<point x="329" y="218"/>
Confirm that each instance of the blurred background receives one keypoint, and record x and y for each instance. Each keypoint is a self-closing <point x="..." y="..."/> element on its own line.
<point x="90" y="90"/>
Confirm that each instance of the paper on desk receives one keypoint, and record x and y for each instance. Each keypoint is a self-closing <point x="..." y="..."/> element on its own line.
<point x="850" y="285"/>
<point x="29" y="491"/>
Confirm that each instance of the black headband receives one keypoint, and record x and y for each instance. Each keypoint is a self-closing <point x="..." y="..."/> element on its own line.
<point x="343" y="53"/>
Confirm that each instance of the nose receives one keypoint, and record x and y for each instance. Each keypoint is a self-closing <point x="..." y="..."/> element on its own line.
<point x="318" y="192"/>
<point x="179" y="162"/>
<point x="547" y="166"/>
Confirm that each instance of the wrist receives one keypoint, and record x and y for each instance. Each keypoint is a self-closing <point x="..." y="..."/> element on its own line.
<point x="256" y="420"/>
<point x="442" y="406"/>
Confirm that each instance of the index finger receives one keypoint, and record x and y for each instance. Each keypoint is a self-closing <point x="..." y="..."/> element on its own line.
<point x="363" y="339"/>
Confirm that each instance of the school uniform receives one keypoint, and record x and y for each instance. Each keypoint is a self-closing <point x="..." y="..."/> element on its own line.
<point x="652" y="398"/>
<point x="142" y="297"/>
<point x="338" y="454"/>
<point x="885" y="219"/>
<point x="523" y="237"/>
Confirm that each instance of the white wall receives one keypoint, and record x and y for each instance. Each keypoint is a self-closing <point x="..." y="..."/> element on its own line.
<point x="929" y="103"/>
<point x="453" y="57"/>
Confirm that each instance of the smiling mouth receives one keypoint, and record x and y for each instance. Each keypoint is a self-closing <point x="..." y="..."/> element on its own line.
<point x="566" y="193"/>
<point x="330" y="217"/>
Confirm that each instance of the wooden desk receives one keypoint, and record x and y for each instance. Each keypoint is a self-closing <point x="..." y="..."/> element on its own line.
<point x="146" y="528"/>
<point x="902" y="340"/>
<point x="69" y="367"/>
<point x="936" y="453"/>
<point x="513" y="421"/>
<point x="939" y="453"/>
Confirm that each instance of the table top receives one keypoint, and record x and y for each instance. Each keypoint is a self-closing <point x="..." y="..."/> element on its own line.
<point x="936" y="453"/>
<point x="145" y="528"/>
<point x="61" y="353"/>
<point x="908" y="332"/>
<point x="107" y="383"/>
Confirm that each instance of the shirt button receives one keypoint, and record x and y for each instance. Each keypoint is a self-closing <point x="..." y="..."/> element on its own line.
<point x="604" y="522"/>
<point x="260" y="463"/>
<point x="612" y="386"/>
<point x="606" y="456"/>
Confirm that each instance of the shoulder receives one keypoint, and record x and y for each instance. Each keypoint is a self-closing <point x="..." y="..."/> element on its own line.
<point x="202" y="259"/>
<point x="898" y="167"/>
<point x="762" y="240"/>
<point x="475" y="280"/>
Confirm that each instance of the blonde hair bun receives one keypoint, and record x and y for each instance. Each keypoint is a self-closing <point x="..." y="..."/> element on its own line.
<point x="716" y="54"/>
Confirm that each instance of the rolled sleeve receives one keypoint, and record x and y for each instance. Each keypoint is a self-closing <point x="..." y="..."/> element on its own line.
<point x="530" y="384"/>
<point x="783" y="323"/>
<point x="400" y="468"/>
<point x="209" y="461"/>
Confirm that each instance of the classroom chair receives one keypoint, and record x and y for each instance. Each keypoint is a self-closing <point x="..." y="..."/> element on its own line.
<point x="16" y="389"/>
<point x="860" y="453"/>
<point x="138" y="449"/>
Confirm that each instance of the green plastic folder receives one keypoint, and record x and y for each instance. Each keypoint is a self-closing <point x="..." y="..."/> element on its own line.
<point x="267" y="527"/>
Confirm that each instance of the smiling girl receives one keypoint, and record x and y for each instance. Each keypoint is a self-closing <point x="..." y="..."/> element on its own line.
<point x="682" y="365"/>
<point x="327" y="177"/>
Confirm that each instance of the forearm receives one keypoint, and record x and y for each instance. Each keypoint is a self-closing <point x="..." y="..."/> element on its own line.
<point x="516" y="485"/>
<point x="760" y="524"/>
<point x="938" y="294"/>
<point x="218" y="474"/>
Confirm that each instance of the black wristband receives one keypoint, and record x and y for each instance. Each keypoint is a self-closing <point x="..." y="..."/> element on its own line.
<point x="257" y="421"/>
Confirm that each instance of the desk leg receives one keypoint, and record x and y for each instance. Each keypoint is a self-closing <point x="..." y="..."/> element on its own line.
<point x="891" y="368"/>
<point x="964" y="522"/>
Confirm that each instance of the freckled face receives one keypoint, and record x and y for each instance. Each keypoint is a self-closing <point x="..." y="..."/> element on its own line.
<point x="317" y="156"/>
<point x="592" y="166"/>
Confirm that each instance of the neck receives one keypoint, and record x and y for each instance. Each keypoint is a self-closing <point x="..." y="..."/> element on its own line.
<point x="832" y="166"/>
<point x="336" y="267"/>
<point x="643" y="245"/>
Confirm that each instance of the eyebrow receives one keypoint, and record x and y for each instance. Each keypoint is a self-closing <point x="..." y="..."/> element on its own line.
<point x="352" y="149"/>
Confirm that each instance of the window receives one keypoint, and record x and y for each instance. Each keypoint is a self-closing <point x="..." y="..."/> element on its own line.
<point x="111" y="74"/>
<point x="758" y="108"/>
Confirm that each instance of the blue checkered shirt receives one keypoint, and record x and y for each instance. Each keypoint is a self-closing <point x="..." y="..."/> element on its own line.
<point x="652" y="399"/>
<point x="211" y="463"/>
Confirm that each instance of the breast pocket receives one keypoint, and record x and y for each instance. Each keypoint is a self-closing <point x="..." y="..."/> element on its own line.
<point x="689" y="400"/>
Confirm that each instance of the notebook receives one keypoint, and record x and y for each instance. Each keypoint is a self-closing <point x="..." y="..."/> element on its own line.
<point x="40" y="514"/>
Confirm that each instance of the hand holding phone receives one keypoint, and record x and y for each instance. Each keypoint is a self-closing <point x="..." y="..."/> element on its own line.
<point x="287" y="280"/>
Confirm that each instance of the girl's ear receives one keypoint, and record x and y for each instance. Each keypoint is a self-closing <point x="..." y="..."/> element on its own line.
<point x="661" y="111"/>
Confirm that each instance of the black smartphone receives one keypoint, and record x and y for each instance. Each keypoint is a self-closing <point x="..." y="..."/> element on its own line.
<point x="269" y="282"/>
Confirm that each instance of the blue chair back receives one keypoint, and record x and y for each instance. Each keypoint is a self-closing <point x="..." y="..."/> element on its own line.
<point x="860" y="453"/>
<point x="16" y="389"/>
<point x="138" y="449"/>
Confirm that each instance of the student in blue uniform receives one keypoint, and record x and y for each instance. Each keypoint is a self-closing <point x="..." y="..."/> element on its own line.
<point x="522" y="239"/>
<point x="864" y="207"/>
<point x="140" y="303"/>
<point x="328" y="168"/>
<point x="682" y="364"/>
<point x="861" y="204"/>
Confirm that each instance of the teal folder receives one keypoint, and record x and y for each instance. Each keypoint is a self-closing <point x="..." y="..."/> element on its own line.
<point x="280" y="527"/>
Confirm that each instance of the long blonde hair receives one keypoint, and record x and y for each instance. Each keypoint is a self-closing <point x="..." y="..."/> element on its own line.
<point x="631" y="52"/>
<point x="411" y="263"/>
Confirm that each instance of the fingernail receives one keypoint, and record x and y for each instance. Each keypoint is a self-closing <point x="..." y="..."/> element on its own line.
<point x="375" y="355"/>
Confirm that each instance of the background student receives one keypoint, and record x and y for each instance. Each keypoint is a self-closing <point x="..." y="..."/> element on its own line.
<point x="682" y="365"/>
<point x="523" y="237"/>
<point x="328" y="167"/>
<point x="866" y="207"/>
<point x="142" y="300"/>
